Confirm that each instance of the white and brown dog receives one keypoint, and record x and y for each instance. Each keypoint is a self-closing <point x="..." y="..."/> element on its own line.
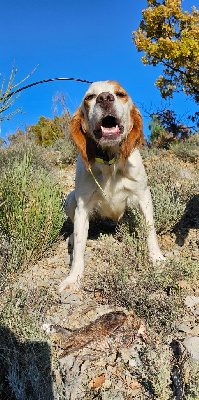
<point x="107" y="129"/>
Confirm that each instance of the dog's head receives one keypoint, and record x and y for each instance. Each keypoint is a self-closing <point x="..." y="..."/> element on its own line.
<point x="108" y="118"/>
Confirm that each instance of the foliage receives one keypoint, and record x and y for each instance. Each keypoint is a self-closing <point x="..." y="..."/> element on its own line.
<point x="166" y="129"/>
<point x="66" y="149"/>
<point x="188" y="150"/>
<point x="48" y="130"/>
<point x="156" y="128"/>
<point x="155" y="370"/>
<point x="2" y="142"/>
<point x="129" y="280"/>
<point x="7" y="98"/>
<point x="30" y="214"/>
<point x="169" y="198"/>
<point x="25" y="356"/>
<point x="170" y="36"/>
<point x="20" y="145"/>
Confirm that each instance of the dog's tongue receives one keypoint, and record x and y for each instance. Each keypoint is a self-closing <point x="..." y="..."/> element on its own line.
<point x="112" y="131"/>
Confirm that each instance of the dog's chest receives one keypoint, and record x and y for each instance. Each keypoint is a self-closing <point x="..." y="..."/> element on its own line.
<point x="111" y="198"/>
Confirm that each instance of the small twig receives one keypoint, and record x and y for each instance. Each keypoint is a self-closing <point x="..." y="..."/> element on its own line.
<point x="143" y="334"/>
<point x="121" y="378"/>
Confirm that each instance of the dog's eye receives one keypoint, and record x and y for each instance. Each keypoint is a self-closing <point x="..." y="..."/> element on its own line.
<point x="120" y="94"/>
<point x="90" y="97"/>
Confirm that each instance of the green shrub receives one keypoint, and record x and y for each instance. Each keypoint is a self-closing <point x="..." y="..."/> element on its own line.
<point x="31" y="213"/>
<point x="19" y="147"/>
<point x="155" y="370"/>
<point x="170" y="192"/>
<point x="188" y="150"/>
<point x="66" y="148"/>
<point x="167" y="206"/>
<point x="48" y="130"/>
<point x="130" y="280"/>
<point x="25" y="355"/>
<point x="61" y="152"/>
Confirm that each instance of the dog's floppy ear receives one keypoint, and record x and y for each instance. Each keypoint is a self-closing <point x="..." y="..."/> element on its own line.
<point x="135" y="137"/>
<point x="85" y="145"/>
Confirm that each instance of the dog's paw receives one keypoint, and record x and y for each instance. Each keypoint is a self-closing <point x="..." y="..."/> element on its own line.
<point x="69" y="284"/>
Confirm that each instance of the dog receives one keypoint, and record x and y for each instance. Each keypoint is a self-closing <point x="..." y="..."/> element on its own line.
<point x="107" y="130"/>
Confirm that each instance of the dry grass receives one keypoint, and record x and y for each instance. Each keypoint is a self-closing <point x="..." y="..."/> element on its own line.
<point x="25" y="355"/>
<point x="29" y="368"/>
<point x="31" y="213"/>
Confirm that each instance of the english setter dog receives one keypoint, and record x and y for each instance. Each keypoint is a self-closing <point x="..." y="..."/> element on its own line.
<point x="107" y="129"/>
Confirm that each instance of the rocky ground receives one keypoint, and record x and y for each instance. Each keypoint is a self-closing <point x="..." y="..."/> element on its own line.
<point x="105" y="366"/>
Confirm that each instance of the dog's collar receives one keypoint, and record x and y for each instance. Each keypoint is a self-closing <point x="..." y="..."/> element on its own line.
<point x="109" y="162"/>
<point x="103" y="157"/>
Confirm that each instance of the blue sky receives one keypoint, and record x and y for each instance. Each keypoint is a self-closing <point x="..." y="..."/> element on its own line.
<point x="82" y="39"/>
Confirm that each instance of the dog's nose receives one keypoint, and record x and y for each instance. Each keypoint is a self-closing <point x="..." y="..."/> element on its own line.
<point x="104" y="98"/>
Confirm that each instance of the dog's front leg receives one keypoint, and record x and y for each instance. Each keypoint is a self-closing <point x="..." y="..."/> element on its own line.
<point x="146" y="208"/>
<point x="81" y="224"/>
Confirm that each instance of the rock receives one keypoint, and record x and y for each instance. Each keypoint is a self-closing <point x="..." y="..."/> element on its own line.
<point x="58" y="272"/>
<point x="112" y="358"/>
<point x="185" y="174"/>
<point x="191" y="301"/>
<point x="183" y="328"/>
<point x="112" y="395"/>
<point x="127" y="354"/>
<point x="70" y="298"/>
<point x="183" y="284"/>
<point x="192" y="346"/>
<point x="195" y="330"/>
<point x="67" y="361"/>
<point x="43" y="283"/>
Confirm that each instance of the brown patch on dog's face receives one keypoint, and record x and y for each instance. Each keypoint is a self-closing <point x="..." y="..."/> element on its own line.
<point x="87" y="100"/>
<point x="120" y="92"/>
<point x="85" y="145"/>
<point x="135" y="137"/>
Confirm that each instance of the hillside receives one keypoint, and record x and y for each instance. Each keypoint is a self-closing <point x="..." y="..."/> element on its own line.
<point x="132" y="330"/>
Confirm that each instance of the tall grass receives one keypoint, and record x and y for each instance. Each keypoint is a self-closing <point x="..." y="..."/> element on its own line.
<point x="30" y="213"/>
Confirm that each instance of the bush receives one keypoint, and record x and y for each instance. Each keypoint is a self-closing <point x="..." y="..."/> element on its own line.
<point x="168" y="207"/>
<point x="66" y="148"/>
<point x="48" y="130"/>
<point x="130" y="280"/>
<point x="31" y="213"/>
<point x="188" y="150"/>
<point x="19" y="147"/>
<point x="25" y="356"/>
<point x="170" y="191"/>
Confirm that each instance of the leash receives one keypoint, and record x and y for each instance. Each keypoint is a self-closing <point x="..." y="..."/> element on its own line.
<point x="43" y="81"/>
<point x="96" y="181"/>
<point x="103" y="158"/>
<point x="102" y="161"/>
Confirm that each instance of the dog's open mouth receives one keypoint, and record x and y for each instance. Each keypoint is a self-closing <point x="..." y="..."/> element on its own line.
<point x="110" y="128"/>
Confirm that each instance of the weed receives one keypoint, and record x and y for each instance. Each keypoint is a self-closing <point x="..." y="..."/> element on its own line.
<point x="18" y="148"/>
<point x="192" y="383"/>
<point x="24" y="355"/>
<point x="66" y="148"/>
<point x="31" y="213"/>
<point x="188" y="150"/>
<point x="155" y="371"/>
<point x="129" y="279"/>
<point x="170" y="192"/>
